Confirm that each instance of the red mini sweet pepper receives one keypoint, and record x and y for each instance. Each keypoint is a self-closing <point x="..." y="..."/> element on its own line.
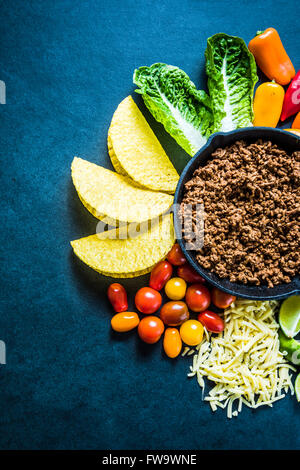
<point x="291" y="103"/>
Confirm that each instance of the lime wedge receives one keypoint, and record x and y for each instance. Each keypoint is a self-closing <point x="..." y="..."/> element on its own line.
<point x="297" y="387"/>
<point x="290" y="347"/>
<point x="289" y="316"/>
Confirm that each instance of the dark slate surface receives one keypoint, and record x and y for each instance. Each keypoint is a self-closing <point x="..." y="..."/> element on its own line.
<point x="69" y="381"/>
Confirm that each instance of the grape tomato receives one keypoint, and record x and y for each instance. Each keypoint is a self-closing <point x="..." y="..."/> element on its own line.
<point x="147" y="300"/>
<point x="150" y="329"/>
<point x="124" y="321"/>
<point x="172" y="342"/>
<point x="175" y="256"/>
<point x="191" y="332"/>
<point x="174" y="313"/>
<point x="189" y="274"/>
<point x="175" y="288"/>
<point x="160" y="274"/>
<point x="212" y="321"/>
<point x="197" y="297"/>
<point x="118" y="297"/>
<point x="221" y="299"/>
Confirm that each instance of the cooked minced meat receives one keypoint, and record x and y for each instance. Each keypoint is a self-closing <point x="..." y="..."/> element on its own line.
<point x="251" y="201"/>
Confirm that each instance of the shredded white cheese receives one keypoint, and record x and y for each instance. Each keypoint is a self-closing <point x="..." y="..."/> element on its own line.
<point x="185" y="351"/>
<point x="244" y="360"/>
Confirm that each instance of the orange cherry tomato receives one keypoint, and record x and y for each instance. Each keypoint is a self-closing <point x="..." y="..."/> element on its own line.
<point x="160" y="274"/>
<point x="191" y="332"/>
<point x="197" y="297"/>
<point x="174" y="313"/>
<point x="220" y="299"/>
<point x="211" y="321"/>
<point x="175" y="288"/>
<point x="175" y="256"/>
<point x="147" y="300"/>
<point x="150" y="329"/>
<point x="172" y="342"/>
<point x="124" y="321"/>
<point x="189" y="274"/>
<point x="118" y="297"/>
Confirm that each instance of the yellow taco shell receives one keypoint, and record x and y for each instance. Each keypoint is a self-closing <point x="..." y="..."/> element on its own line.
<point x="108" y="195"/>
<point x="136" y="152"/>
<point x="127" y="257"/>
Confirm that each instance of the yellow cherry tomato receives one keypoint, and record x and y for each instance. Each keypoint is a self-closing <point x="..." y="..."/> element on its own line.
<point x="172" y="342"/>
<point x="191" y="332"/>
<point x="175" y="288"/>
<point x="124" y="321"/>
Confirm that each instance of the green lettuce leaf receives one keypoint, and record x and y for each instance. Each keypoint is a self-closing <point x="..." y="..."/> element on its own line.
<point x="174" y="101"/>
<point x="231" y="71"/>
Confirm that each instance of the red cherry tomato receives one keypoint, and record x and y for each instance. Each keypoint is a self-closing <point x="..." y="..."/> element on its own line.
<point x="211" y="321"/>
<point x="147" y="300"/>
<point x="175" y="256"/>
<point x="118" y="297"/>
<point x="220" y="299"/>
<point x="150" y="329"/>
<point x="160" y="275"/>
<point x="189" y="274"/>
<point x="197" y="297"/>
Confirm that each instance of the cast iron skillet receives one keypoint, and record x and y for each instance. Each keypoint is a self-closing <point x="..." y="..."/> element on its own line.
<point x="286" y="140"/>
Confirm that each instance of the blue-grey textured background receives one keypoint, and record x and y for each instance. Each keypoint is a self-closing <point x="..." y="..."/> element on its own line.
<point x="69" y="381"/>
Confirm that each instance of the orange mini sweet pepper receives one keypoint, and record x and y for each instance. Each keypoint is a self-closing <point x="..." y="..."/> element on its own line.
<point x="296" y="122"/>
<point x="293" y="131"/>
<point x="271" y="56"/>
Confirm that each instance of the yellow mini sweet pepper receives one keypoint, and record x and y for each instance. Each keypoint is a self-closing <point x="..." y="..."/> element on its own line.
<point x="267" y="104"/>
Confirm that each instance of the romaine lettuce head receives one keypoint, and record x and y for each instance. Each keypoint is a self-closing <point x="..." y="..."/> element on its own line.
<point x="231" y="71"/>
<point x="174" y="101"/>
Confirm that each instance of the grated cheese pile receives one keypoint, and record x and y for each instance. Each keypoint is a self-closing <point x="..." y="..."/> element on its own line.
<point x="244" y="360"/>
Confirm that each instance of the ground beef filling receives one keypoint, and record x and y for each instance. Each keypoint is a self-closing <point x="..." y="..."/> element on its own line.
<point x="251" y="201"/>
